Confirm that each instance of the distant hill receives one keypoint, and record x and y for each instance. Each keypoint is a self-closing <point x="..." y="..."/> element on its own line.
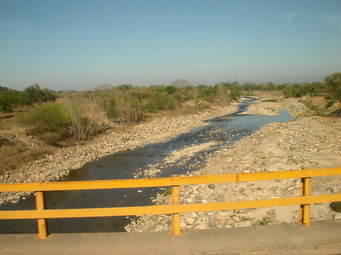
<point x="104" y="87"/>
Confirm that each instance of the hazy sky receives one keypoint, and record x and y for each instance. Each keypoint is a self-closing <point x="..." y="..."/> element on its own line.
<point x="78" y="44"/>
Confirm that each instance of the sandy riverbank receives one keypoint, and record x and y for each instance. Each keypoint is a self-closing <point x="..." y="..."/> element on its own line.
<point x="308" y="142"/>
<point x="53" y="167"/>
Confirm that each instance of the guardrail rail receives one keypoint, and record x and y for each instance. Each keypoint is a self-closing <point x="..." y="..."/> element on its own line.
<point x="175" y="208"/>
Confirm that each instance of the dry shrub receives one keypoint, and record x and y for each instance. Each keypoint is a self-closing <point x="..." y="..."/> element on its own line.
<point x="85" y="118"/>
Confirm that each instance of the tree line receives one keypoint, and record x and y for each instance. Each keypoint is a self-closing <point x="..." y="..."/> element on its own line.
<point x="10" y="99"/>
<point x="169" y="97"/>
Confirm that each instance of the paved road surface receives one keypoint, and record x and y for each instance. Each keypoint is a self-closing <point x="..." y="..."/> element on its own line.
<point x="320" y="238"/>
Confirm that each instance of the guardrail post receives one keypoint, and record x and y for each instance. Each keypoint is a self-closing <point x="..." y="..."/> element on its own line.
<point x="41" y="223"/>
<point x="305" y="209"/>
<point x="175" y="192"/>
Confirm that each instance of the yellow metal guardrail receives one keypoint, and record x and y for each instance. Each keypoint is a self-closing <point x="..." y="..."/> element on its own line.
<point x="175" y="208"/>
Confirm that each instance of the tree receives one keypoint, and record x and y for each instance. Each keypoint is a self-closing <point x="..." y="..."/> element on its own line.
<point x="10" y="99"/>
<point x="170" y="89"/>
<point x="333" y="86"/>
<point x="34" y="94"/>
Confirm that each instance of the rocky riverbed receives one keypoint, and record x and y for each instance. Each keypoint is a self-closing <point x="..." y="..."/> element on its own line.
<point x="307" y="142"/>
<point x="54" y="167"/>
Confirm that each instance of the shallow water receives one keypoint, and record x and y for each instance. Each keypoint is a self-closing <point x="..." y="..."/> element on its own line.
<point x="224" y="130"/>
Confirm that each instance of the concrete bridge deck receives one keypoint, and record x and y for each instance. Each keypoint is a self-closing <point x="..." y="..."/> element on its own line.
<point x="320" y="238"/>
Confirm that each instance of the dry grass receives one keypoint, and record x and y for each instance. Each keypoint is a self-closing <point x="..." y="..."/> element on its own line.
<point x="14" y="151"/>
<point x="16" y="147"/>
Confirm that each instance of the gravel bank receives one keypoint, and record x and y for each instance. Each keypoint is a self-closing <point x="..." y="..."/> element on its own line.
<point x="271" y="106"/>
<point x="53" y="167"/>
<point x="309" y="142"/>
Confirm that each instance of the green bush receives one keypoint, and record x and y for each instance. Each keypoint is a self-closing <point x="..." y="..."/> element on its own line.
<point x="235" y="94"/>
<point x="313" y="89"/>
<point x="110" y="108"/>
<point x="170" y="89"/>
<point x="299" y="90"/>
<point x="150" y="107"/>
<point x="333" y="86"/>
<point x="11" y="99"/>
<point x="8" y="101"/>
<point x="51" y="122"/>
<point x="293" y="91"/>
<point x="161" y="100"/>
<point x="207" y="93"/>
<point x="34" y="94"/>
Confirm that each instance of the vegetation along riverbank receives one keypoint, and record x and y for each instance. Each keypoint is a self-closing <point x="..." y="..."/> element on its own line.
<point x="96" y="123"/>
<point x="312" y="140"/>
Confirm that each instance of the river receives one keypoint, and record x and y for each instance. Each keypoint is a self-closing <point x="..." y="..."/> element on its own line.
<point x="222" y="130"/>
